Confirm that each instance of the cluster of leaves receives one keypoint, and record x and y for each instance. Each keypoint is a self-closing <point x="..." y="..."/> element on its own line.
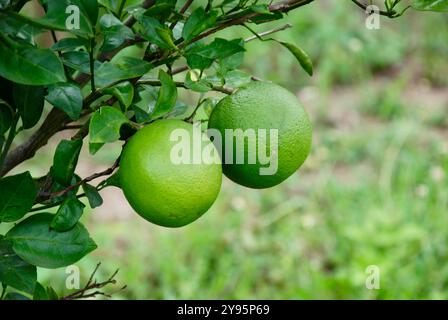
<point x="106" y="78"/>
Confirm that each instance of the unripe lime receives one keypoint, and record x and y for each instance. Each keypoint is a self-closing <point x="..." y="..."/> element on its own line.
<point x="269" y="108"/>
<point x="162" y="192"/>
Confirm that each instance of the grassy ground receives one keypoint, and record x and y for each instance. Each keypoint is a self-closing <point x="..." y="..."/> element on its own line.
<point x="373" y="191"/>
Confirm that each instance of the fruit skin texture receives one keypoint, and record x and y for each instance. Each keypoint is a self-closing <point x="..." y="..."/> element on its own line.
<point x="161" y="192"/>
<point x="262" y="105"/>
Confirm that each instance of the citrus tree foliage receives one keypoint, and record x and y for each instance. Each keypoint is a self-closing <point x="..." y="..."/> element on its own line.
<point x="107" y="75"/>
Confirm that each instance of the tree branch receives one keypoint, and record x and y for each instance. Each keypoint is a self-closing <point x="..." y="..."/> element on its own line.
<point x="92" y="284"/>
<point x="180" y="84"/>
<point x="56" y="119"/>
<point x="94" y="176"/>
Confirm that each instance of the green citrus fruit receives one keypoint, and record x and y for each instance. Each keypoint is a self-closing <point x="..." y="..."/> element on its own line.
<point x="158" y="189"/>
<point x="263" y="108"/>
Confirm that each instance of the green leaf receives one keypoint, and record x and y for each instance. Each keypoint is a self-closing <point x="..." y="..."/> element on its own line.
<point x="94" y="197"/>
<point x="155" y="32"/>
<point x="237" y="78"/>
<point x="66" y="97"/>
<point x="65" y="160"/>
<point x="260" y="8"/>
<point x="57" y="187"/>
<point x="68" y="214"/>
<point x="16" y="197"/>
<point x="112" y="181"/>
<point x="15" y="296"/>
<point x="198" y="22"/>
<point x="124" y="92"/>
<point x="167" y="96"/>
<point x="15" y="27"/>
<point x="6" y="115"/>
<point x="15" y="272"/>
<point x="79" y="61"/>
<point x="5" y="4"/>
<point x="430" y="5"/>
<point x="127" y="68"/>
<point x="40" y="293"/>
<point x="59" y="16"/>
<point x="300" y="55"/>
<point x="35" y="242"/>
<point x="31" y="66"/>
<point x="115" y="32"/>
<point x="161" y="9"/>
<point x="51" y="293"/>
<point x="193" y="82"/>
<point x="232" y="62"/>
<point x="202" y="56"/>
<point x="179" y="111"/>
<point x="144" y="102"/>
<point x="267" y="17"/>
<point x="30" y="103"/>
<point x="111" y="5"/>
<point x="94" y="147"/>
<point x="68" y="44"/>
<point x="105" y="125"/>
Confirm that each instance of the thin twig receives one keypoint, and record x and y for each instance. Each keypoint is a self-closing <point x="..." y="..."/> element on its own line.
<point x="390" y="14"/>
<point x="154" y="82"/>
<point x="57" y="119"/>
<point x="268" y="32"/>
<point x="94" y="176"/>
<point x="92" y="284"/>
<point x="182" y="11"/>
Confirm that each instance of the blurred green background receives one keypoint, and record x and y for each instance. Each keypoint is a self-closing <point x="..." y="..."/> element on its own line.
<point x="373" y="191"/>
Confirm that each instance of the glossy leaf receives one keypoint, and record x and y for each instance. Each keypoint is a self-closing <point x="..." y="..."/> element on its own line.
<point x="193" y="82"/>
<point x="105" y="125"/>
<point x="155" y="32"/>
<point x="202" y="56"/>
<point x="161" y="9"/>
<point x="14" y="271"/>
<point x="59" y="13"/>
<point x="15" y="296"/>
<point x="167" y="95"/>
<point x="35" y="242"/>
<point x="40" y="293"/>
<point x="68" y="44"/>
<point x="65" y="161"/>
<point x="431" y="5"/>
<point x="115" y="32"/>
<point x="198" y="22"/>
<point x="124" y="92"/>
<point x="51" y="294"/>
<point x="16" y="197"/>
<point x="31" y="66"/>
<point x="30" y="103"/>
<point x="79" y="61"/>
<point x="68" y="214"/>
<point x="66" y="97"/>
<point x="127" y="68"/>
<point x="94" y="197"/>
